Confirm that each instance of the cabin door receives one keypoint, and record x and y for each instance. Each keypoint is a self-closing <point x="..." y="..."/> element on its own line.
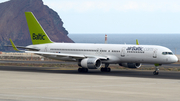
<point x="46" y="48"/>
<point x="155" y="53"/>
<point x="123" y="52"/>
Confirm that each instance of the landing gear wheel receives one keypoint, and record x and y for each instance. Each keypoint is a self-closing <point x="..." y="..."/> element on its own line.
<point x="82" y="70"/>
<point x="102" y="69"/>
<point x="85" y="70"/>
<point x="105" y="69"/>
<point x="108" y="70"/>
<point x="155" y="72"/>
<point x="79" y="69"/>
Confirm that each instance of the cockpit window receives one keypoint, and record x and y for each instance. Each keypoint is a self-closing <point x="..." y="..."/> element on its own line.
<point x="164" y="53"/>
<point x="167" y="53"/>
<point x="170" y="53"/>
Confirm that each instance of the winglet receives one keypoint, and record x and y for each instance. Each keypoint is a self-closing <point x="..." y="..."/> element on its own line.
<point x="14" y="47"/>
<point x="137" y="43"/>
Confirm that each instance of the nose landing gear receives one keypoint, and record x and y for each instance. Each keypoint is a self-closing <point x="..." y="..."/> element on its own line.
<point x="156" y="72"/>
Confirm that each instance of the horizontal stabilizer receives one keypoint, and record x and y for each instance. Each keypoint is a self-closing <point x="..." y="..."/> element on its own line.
<point x="14" y="47"/>
<point x="22" y="47"/>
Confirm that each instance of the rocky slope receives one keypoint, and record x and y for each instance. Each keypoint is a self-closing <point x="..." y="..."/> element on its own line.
<point x="13" y="22"/>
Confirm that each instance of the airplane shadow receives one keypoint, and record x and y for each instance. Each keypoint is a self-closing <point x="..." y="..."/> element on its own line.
<point x="120" y="73"/>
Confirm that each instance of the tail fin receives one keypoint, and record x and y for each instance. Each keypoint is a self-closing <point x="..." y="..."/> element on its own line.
<point x="37" y="33"/>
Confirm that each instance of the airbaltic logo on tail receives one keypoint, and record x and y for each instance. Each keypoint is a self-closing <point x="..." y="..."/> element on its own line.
<point x="38" y="36"/>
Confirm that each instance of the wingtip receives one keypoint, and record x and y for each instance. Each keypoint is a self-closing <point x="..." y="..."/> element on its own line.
<point x="137" y="42"/>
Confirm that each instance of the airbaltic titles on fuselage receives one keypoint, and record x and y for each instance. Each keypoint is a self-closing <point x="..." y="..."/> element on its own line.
<point x="134" y="49"/>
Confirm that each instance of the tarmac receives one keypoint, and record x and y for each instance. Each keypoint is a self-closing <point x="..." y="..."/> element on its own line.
<point x="53" y="84"/>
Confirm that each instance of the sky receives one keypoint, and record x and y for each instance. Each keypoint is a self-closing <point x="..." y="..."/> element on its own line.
<point x="118" y="16"/>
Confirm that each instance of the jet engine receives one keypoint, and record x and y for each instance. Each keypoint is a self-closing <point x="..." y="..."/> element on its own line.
<point x="90" y="63"/>
<point x="130" y="65"/>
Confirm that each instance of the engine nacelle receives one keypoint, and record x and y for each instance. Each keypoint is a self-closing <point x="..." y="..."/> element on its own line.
<point x="130" y="65"/>
<point x="90" y="63"/>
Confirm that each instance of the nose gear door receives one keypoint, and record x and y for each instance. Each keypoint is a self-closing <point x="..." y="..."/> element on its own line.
<point x="155" y="53"/>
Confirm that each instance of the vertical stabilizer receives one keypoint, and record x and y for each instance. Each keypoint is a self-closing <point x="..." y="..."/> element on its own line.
<point x="37" y="33"/>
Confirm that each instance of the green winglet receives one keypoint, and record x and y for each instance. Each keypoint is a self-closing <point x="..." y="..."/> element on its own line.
<point x="137" y="43"/>
<point x="37" y="33"/>
<point x="14" y="47"/>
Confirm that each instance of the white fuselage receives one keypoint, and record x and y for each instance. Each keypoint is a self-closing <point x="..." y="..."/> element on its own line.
<point x="116" y="53"/>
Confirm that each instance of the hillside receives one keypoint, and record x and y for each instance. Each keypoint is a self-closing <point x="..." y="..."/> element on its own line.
<point x="13" y="22"/>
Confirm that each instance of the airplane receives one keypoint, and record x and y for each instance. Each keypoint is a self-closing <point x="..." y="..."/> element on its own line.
<point x="92" y="56"/>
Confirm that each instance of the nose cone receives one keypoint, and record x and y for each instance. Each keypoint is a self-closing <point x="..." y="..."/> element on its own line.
<point x="174" y="59"/>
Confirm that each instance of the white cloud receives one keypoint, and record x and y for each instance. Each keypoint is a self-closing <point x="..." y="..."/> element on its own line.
<point x="115" y="5"/>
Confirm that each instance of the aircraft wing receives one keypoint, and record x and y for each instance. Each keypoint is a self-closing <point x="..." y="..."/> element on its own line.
<point x="76" y="56"/>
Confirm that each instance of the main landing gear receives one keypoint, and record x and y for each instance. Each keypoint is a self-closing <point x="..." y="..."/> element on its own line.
<point x="156" y="72"/>
<point x="82" y="70"/>
<point x="106" y="69"/>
